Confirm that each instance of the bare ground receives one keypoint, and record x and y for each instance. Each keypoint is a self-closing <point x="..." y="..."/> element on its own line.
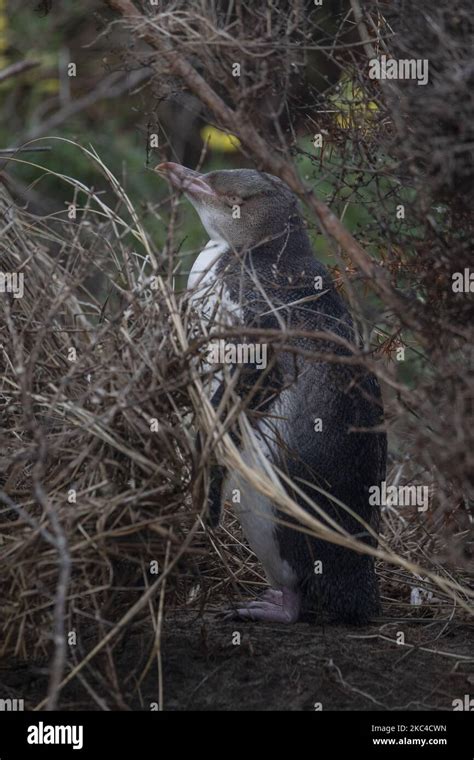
<point x="274" y="667"/>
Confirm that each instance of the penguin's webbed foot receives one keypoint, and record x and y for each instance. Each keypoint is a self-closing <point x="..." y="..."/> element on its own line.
<point x="273" y="607"/>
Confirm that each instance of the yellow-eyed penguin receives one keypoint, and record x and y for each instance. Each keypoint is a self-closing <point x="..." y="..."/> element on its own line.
<point x="319" y="422"/>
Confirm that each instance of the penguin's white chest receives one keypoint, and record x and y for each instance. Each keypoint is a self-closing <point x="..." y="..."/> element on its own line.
<point x="209" y="296"/>
<point x="211" y="300"/>
<point x="203" y="269"/>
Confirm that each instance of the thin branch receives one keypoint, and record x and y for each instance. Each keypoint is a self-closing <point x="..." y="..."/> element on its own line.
<point x="16" y="69"/>
<point x="110" y="87"/>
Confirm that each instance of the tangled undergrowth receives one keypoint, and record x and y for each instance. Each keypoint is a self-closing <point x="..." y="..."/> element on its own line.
<point x="102" y="390"/>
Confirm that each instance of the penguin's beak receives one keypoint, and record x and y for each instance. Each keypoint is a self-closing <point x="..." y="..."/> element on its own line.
<point x="191" y="182"/>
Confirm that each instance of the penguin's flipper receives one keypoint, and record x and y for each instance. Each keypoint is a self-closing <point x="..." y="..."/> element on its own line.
<point x="208" y="477"/>
<point x="207" y="486"/>
<point x="214" y="499"/>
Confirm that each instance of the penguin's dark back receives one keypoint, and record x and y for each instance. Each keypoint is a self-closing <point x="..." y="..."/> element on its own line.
<point x="281" y="286"/>
<point x="281" y="281"/>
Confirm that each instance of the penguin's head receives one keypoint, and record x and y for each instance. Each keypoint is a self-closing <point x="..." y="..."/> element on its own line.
<point x="242" y="207"/>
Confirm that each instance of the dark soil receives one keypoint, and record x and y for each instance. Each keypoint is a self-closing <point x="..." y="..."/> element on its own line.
<point x="294" y="667"/>
<point x="274" y="667"/>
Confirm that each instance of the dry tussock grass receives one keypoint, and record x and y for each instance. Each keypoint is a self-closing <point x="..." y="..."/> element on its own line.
<point x="101" y="395"/>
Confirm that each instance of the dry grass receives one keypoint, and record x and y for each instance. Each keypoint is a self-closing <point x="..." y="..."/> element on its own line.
<point x="93" y="490"/>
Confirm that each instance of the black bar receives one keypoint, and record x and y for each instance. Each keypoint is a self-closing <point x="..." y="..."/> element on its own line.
<point x="369" y="734"/>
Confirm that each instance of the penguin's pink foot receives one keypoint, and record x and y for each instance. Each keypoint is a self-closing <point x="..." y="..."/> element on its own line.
<point x="272" y="607"/>
<point x="271" y="595"/>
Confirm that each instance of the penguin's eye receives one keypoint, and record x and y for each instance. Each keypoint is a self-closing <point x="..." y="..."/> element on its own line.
<point x="234" y="200"/>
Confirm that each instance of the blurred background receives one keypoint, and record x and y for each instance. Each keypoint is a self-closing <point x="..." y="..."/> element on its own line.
<point x="113" y="103"/>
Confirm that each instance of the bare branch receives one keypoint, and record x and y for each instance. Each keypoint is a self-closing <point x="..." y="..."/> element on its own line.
<point x="16" y="69"/>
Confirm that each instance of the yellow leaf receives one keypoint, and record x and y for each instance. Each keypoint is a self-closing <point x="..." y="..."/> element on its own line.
<point x="350" y="103"/>
<point x="218" y="140"/>
<point x="48" y="85"/>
